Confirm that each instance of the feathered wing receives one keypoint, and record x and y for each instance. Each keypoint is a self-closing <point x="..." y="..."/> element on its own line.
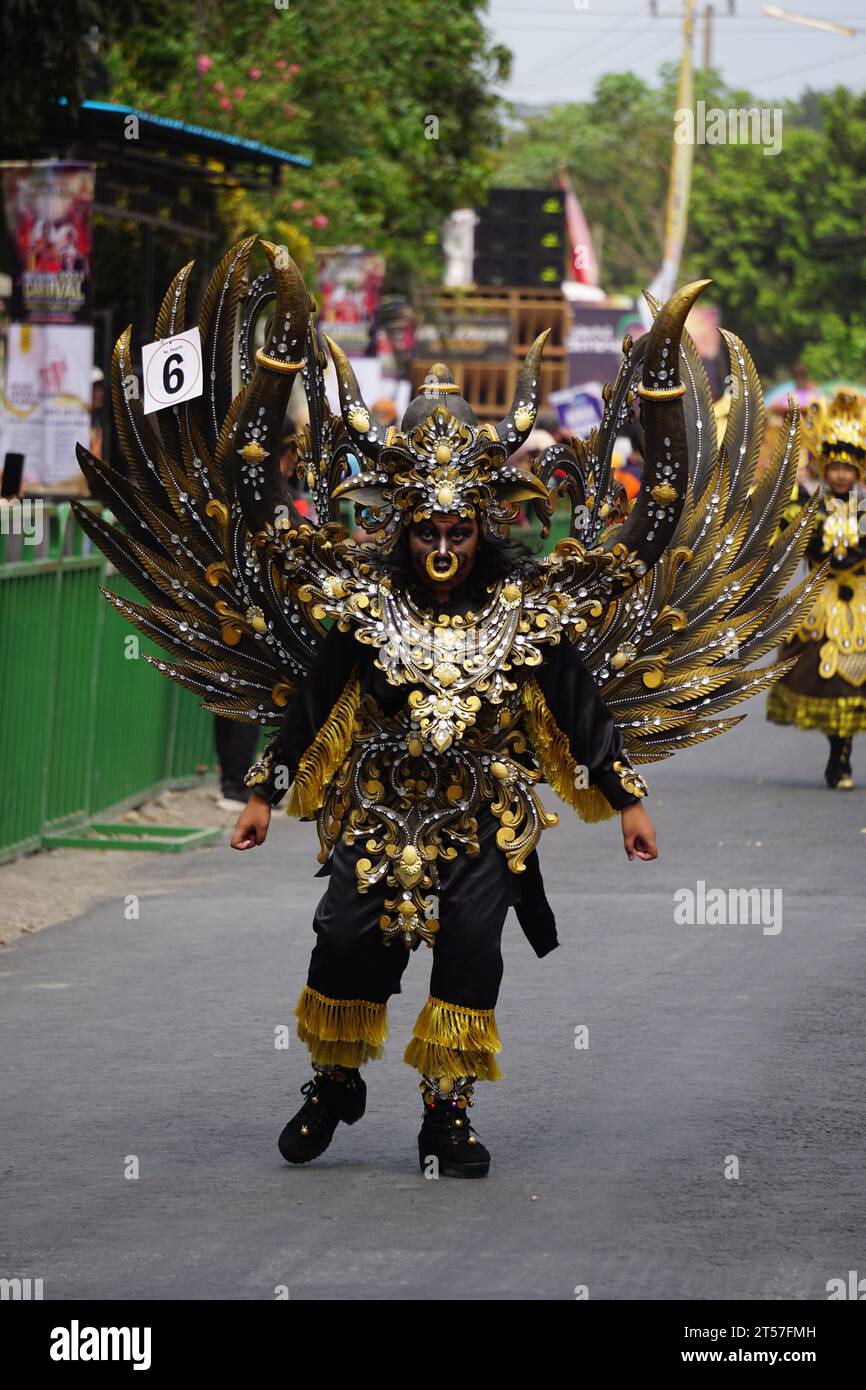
<point x="235" y="629"/>
<point x="676" y="651"/>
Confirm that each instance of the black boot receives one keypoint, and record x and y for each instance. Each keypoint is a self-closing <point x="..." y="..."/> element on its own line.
<point x="837" y="773"/>
<point x="446" y="1133"/>
<point x="331" y="1096"/>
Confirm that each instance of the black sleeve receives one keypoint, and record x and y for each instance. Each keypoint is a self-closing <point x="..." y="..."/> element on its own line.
<point x="594" y="739"/>
<point x="272" y="773"/>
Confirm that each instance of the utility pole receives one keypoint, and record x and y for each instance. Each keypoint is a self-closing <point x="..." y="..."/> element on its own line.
<point x="709" y="14"/>
<point x="679" y="183"/>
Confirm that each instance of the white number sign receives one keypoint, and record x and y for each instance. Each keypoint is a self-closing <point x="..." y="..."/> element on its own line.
<point x="172" y="370"/>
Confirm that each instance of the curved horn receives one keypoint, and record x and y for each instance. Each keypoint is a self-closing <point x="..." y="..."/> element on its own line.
<point x="515" y="426"/>
<point x="362" y="428"/>
<point x="260" y="486"/>
<point x="653" y="517"/>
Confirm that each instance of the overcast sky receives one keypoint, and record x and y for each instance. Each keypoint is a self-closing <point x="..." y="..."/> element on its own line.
<point x="561" y="47"/>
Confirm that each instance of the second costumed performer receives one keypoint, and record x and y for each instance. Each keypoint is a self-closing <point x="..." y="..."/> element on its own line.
<point x="826" y="687"/>
<point x="423" y="683"/>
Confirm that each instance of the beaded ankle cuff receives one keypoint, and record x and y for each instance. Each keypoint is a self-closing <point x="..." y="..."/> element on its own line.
<point x="458" y="1090"/>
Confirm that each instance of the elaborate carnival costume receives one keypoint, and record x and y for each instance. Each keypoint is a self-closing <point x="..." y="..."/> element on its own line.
<point x="418" y="734"/>
<point x="825" y="688"/>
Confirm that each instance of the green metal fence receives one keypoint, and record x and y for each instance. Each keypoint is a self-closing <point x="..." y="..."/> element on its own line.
<point x="86" y="724"/>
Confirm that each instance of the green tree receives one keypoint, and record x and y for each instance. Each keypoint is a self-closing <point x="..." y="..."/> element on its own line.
<point x="838" y="349"/>
<point x="782" y="236"/>
<point x="49" y="63"/>
<point x="393" y="103"/>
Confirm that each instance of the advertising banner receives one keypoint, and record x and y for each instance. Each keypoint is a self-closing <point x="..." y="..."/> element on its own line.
<point x="579" y="407"/>
<point x="474" y="338"/>
<point x="46" y="397"/>
<point x="48" y="213"/>
<point x="46" y="403"/>
<point x="350" y="283"/>
<point x="594" y="341"/>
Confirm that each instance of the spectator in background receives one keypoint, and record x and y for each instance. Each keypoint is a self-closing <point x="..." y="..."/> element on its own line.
<point x="628" y="458"/>
<point x="289" y="468"/>
<point x="97" y="403"/>
<point x="535" y="443"/>
<point x="236" y="746"/>
<point x="549" y="420"/>
<point x="385" y="413"/>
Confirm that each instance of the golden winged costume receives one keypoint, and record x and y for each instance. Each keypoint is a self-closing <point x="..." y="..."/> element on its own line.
<point x="418" y="735"/>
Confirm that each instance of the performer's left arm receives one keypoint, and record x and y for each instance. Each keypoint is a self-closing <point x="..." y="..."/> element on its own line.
<point x="596" y="743"/>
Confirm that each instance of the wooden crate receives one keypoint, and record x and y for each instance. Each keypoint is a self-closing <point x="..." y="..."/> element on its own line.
<point x="489" y="385"/>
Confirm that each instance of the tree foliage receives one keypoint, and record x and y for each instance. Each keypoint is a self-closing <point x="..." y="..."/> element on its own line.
<point x="49" y="62"/>
<point x="393" y="103"/>
<point x="782" y="236"/>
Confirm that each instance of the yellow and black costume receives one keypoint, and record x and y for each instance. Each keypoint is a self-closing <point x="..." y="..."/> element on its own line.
<point x="346" y="705"/>
<point x="825" y="689"/>
<point x="416" y="735"/>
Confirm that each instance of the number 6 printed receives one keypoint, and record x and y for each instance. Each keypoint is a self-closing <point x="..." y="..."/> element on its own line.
<point x="172" y="370"/>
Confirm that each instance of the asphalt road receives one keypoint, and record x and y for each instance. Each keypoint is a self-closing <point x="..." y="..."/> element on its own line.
<point x="711" y="1049"/>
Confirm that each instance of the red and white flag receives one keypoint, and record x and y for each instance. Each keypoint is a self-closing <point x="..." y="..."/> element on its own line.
<point x="583" y="265"/>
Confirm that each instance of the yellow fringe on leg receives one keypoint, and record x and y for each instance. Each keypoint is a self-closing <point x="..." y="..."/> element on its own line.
<point x="326" y="754"/>
<point x="449" y="1040"/>
<point x="341" y="1032"/>
<point x="553" y="755"/>
<point x="841" y="716"/>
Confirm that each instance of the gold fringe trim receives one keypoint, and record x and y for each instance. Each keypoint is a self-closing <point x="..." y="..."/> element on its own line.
<point x="341" y="1054"/>
<point x="341" y="1032"/>
<point x="558" y="767"/>
<point x="327" y="752"/>
<point x="431" y="1059"/>
<point x="840" y="715"/>
<point x="449" y="1040"/>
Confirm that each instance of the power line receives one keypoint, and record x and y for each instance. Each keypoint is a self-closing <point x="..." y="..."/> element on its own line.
<point x="579" y="56"/>
<point x="796" y="72"/>
<point x="592" y="71"/>
<point x="666" y="16"/>
<point x="765" y="27"/>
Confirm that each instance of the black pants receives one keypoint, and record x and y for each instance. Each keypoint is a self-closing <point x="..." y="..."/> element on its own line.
<point x="236" y="746"/>
<point x="353" y="973"/>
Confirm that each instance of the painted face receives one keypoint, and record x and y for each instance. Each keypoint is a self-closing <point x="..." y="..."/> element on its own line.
<point x="442" y="551"/>
<point x="841" y="477"/>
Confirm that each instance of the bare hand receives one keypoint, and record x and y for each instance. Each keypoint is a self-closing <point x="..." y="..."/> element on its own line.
<point x="252" y="823"/>
<point x="638" y="832"/>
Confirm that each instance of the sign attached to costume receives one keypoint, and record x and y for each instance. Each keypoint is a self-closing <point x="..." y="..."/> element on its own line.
<point x="172" y="371"/>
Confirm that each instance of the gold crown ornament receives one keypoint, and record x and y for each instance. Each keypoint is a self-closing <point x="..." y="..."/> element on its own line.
<point x="836" y="433"/>
<point x="440" y="460"/>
